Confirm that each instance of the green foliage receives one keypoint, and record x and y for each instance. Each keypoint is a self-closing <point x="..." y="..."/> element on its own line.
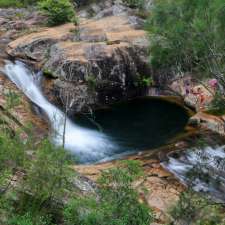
<point x="48" y="73"/>
<point x="48" y="178"/>
<point x="135" y="3"/>
<point x="10" y="3"/>
<point x="117" y="204"/>
<point x="16" y="3"/>
<point x="92" y="82"/>
<point x="217" y="106"/>
<point x="144" y="81"/>
<point x="27" y="219"/>
<point x="12" y="100"/>
<point x="58" y="11"/>
<point x="193" y="209"/>
<point x="44" y="185"/>
<point x="43" y="180"/>
<point x="12" y="157"/>
<point x="188" y="35"/>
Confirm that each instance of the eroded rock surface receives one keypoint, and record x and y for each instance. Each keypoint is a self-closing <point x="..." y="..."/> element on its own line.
<point x="35" y="45"/>
<point x="98" y="62"/>
<point x="199" y="97"/>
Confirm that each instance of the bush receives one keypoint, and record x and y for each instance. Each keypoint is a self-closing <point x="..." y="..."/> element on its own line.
<point x="43" y="179"/>
<point x="217" y="106"/>
<point x="135" y="3"/>
<point x="57" y="11"/>
<point x="117" y="202"/>
<point x="10" y="3"/>
<point x="47" y="180"/>
<point x="193" y="209"/>
<point x="188" y="35"/>
<point x="27" y="219"/>
<point x="16" y="3"/>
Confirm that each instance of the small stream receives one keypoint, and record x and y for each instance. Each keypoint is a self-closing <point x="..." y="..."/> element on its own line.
<point x="202" y="168"/>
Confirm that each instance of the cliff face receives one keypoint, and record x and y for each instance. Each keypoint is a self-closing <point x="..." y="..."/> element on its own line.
<point x="100" y="61"/>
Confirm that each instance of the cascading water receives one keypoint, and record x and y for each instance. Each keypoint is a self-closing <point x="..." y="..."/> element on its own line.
<point x="203" y="169"/>
<point x="88" y="145"/>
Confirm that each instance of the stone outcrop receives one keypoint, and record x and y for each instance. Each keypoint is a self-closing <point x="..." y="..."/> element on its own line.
<point x="15" y="22"/>
<point x="98" y="62"/>
<point x="199" y="98"/>
<point x="207" y="121"/>
<point x="35" y="45"/>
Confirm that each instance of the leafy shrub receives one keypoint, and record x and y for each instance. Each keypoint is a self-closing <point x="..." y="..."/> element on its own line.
<point x="39" y="196"/>
<point x="135" y="3"/>
<point x="10" y="3"/>
<point x="193" y="209"/>
<point x="27" y="219"/>
<point x="187" y="35"/>
<point x="92" y="82"/>
<point x="58" y="11"/>
<point x="47" y="179"/>
<point x="16" y="3"/>
<point x="217" y="106"/>
<point x="144" y="81"/>
<point x="117" y="204"/>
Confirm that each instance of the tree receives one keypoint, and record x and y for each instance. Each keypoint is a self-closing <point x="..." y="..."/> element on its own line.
<point x="194" y="209"/>
<point x="47" y="179"/>
<point x="188" y="36"/>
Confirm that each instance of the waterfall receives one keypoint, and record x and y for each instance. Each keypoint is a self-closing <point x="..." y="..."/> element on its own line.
<point x="87" y="145"/>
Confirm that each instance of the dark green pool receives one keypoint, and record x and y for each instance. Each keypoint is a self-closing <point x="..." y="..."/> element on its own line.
<point x="139" y="124"/>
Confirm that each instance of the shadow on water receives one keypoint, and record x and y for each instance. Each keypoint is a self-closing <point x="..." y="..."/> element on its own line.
<point x="138" y="124"/>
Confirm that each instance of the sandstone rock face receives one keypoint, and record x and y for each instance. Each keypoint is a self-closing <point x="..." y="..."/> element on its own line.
<point x="214" y="123"/>
<point x="98" y="62"/>
<point x="199" y="98"/>
<point x="35" y="45"/>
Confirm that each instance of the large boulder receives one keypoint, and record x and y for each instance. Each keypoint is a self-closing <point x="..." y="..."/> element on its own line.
<point x="104" y="62"/>
<point x="99" y="62"/>
<point x="94" y="72"/>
